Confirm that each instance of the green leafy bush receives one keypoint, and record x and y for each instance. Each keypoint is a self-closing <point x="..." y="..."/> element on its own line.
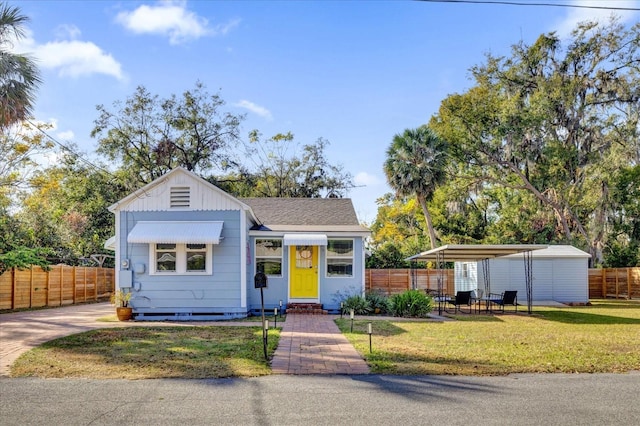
<point x="24" y="258"/>
<point x="359" y="304"/>
<point x="378" y="303"/>
<point x="411" y="303"/>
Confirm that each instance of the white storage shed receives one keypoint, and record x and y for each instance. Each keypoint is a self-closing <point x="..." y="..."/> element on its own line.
<point x="560" y="273"/>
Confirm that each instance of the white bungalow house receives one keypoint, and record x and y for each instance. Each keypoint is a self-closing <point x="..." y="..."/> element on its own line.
<point x="188" y="250"/>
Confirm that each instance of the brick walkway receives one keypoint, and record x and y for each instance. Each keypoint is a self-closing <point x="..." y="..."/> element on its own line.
<point x="309" y="344"/>
<point x="313" y="344"/>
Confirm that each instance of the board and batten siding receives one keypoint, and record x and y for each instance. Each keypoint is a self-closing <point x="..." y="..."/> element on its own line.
<point x="216" y="293"/>
<point x="201" y="196"/>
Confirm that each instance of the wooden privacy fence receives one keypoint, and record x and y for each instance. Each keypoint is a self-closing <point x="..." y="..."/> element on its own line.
<point x="618" y="282"/>
<point x="61" y="285"/>
<point x="395" y="281"/>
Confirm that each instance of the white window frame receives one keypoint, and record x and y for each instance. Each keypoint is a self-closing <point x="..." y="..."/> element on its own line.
<point x="328" y="257"/>
<point x="281" y="257"/>
<point x="181" y="261"/>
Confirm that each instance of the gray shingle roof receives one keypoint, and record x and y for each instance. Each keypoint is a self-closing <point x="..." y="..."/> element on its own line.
<point x="304" y="212"/>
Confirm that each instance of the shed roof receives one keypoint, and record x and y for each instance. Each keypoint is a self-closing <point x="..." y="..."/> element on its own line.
<point x="474" y="252"/>
<point x="560" y="251"/>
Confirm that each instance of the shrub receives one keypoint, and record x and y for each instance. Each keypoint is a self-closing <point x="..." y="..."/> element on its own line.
<point x="378" y="302"/>
<point x="359" y="304"/>
<point x="411" y="303"/>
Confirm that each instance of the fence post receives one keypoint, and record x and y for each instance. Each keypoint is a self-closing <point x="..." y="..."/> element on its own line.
<point x="604" y="283"/>
<point x="31" y="286"/>
<point x="629" y="283"/>
<point x="13" y="288"/>
<point x="95" y="286"/>
<point x="75" y="283"/>
<point x="48" y="284"/>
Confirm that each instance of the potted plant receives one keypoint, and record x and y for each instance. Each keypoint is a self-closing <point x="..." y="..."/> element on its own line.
<point x="121" y="300"/>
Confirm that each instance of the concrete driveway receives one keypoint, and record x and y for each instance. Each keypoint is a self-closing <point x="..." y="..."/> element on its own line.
<point x="21" y="331"/>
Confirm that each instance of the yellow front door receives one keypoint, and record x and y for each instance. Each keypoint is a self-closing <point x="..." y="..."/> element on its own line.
<point x="303" y="272"/>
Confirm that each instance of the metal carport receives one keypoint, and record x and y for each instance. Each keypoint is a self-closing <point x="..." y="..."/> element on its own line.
<point x="480" y="253"/>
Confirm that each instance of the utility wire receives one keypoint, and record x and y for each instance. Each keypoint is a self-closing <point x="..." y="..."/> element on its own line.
<point x="540" y="4"/>
<point x="71" y="151"/>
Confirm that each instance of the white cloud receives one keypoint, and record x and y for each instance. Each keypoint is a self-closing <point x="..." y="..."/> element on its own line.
<point x="576" y="15"/>
<point x="366" y="179"/>
<point x="68" y="31"/>
<point x="77" y="58"/>
<point x="71" y="58"/>
<point x="67" y="135"/>
<point x="225" y="28"/>
<point x="172" y="19"/>
<point x="256" y="109"/>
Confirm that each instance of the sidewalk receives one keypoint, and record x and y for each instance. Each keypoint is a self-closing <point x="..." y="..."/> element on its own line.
<point x="309" y="344"/>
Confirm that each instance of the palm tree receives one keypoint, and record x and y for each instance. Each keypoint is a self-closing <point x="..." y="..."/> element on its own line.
<point x="19" y="76"/>
<point x="415" y="166"/>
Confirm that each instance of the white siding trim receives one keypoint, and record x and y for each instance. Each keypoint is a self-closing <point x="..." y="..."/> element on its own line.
<point x="363" y="271"/>
<point x="244" y="247"/>
<point x="117" y="258"/>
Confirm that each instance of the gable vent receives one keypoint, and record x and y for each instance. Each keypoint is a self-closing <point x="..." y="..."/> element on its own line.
<point x="180" y="196"/>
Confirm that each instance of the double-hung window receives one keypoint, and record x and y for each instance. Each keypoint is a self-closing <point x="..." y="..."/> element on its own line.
<point x="181" y="259"/>
<point x="340" y="258"/>
<point x="269" y="256"/>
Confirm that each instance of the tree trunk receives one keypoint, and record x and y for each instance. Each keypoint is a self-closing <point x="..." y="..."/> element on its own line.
<point x="427" y="216"/>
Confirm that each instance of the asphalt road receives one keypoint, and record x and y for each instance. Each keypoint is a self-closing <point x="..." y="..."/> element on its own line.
<point x="535" y="399"/>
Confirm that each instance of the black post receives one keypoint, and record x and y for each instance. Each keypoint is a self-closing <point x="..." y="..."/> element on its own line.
<point x="370" y="331"/>
<point x="275" y="317"/>
<point x="265" y="337"/>
<point x="262" y="303"/>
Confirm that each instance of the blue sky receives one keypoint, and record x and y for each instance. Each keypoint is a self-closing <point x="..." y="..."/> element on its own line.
<point x="352" y="72"/>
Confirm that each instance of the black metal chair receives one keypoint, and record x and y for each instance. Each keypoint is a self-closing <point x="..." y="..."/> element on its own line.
<point x="477" y="296"/>
<point x="507" y="298"/>
<point x="463" y="298"/>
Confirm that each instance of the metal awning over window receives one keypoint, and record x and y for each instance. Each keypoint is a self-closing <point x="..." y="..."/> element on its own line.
<point x="110" y="244"/>
<point x="176" y="232"/>
<point x="305" y="240"/>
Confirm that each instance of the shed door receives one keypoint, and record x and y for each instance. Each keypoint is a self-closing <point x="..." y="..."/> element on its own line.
<point x="303" y="272"/>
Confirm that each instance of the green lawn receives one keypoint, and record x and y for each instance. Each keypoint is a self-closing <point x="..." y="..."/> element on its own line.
<point x="604" y="337"/>
<point x="152" y="352"/>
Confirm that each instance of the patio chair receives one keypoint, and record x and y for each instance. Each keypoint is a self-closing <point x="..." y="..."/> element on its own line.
<point x="507" y="298"/>
<point x="463" y="298"/>
<point x="477" y="298"/>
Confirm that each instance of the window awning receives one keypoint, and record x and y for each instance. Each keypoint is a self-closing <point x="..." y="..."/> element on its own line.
<point x="110" y="244"/>
<point x="176" y="232"/>
<point x="305" y="240"/>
